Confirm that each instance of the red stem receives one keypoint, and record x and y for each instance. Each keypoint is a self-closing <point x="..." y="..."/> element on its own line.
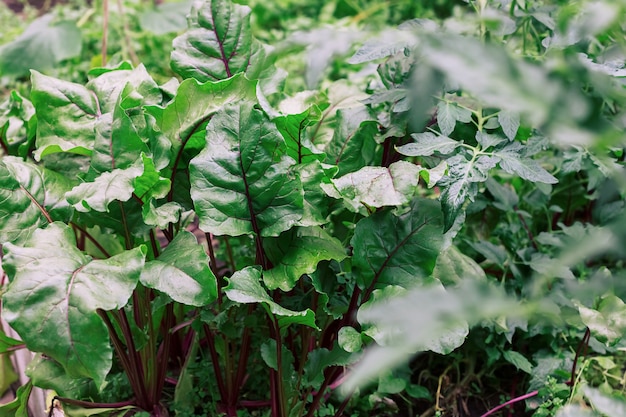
<point x="512" y="401"/>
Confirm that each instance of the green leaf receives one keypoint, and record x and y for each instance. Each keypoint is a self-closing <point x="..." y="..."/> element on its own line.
<point x="162" y="215"/>
<point x="398" y="249"/>
<point x="182" y="272"/>
<point x="293" y="128"/>
<point x="244" y="286"/>
<point x="19" y="406"/>
<point x="509" y="122"/>
<point x="488" y="140"/>
<point x="194" y="105"/>
<point x="611" y="406"/>
<point x="218" y="43"/>
<point x="376" y="186"/>
<point x="318" y="360"/>
<point x="150" y="184"/>
<point x="67" y="114"/>
<point x="316" y="203"/>
<point x="453" y="267"/>
<point x="301" y="257"/>
<point x="30" y="193"/>
<point x="63" y="289"/>
<point x="6" y="342"/>
<point x="428" y="143"/>
<point x="518" y="360"/>
<point x="47" y="373"/>
<point x="608" y="321"/>
<point x="512" y="162"/>
<point x="448" y="113"/>
<point x="166" y="17"/>
<point x="353" y="145"/>
<point x="349" y="339"/>
<point x="17" y="125"/>
<point x="42" y="46"/>
<point x="240" y="182"/>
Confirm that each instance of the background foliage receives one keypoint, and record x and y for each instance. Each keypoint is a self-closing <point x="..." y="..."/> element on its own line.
<point x="398" y="208"/>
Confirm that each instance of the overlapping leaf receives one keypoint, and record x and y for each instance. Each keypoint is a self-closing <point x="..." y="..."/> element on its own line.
<point x="293" y="128"/>
<point x="55" y="291"/>
<point x="182" y="272"/>
<point x="240" y="182"/>
<point x="402" y="249"/>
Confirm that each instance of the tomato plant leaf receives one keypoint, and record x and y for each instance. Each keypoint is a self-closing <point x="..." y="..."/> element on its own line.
<point x="182" y="272"/>
<point x="240" y="182"/>
<point x="512" y="162"/>
<point x="428" y="143"/>
<point x="510" y="123"/>
<point x="402" y="249"/>
<point x="64" y="288"/>
<point x="448" y="113"/>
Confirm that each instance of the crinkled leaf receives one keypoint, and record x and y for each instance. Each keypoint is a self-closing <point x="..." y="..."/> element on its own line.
<point x="509" y="122"/>
<point x="150" y="184"/>
<point x="301" y="256"/>
<point x="448" y="113"/>
<point x="428" y="143"/>
<point x="42" y="46"/>
<point x="512" y="162"/>
<point x="349" y="339"/>
<point x="17" y="125"/>
<point x="55" y="291"/>
<point x="244" y="286"/>
<point x="194" y="105"/>
<point x="182" y="272"/>
<point x="608" y="321"/>
<point x="353" y="145"/>
<point x="240" y="182"/>
<point x="293" y="128"/>
<point x="376" y="186"/>
<point x="218" y="43"/>
<point x="47" y="373"/>
<point x="26" y="190"/>
<point x="66" y="116"/>
<point x="398" y="249"/>
<point x="162" y="215"/>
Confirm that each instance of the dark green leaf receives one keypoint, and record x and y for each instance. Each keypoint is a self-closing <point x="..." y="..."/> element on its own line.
<point x="428" y="143"/>
<point x="42" y="46"/>
<point x="64" y="288"/>
<point x="321" y="358"/>
<point x="6" y="342"/>
<point x="244" y="286"/>
<point x="301" y="257"/>
<point x="19" y="406"/>
<point x="218" y="43"/>
<point x="518" y="360"/>
<point x="402" y="249"/>
<point x="293" y="128"/>
<point x="182" y="272"/>
<point x="240" y="182"/>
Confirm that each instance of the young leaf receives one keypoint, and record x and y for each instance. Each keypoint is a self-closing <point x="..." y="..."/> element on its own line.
<point x="218" y="43"/>
<point x="17" y="125"/>
<point x="376" y="186"/>
<point x="292" y="127"/>
<point x="302" y="255"/>
<point x="64" y="288"/>
<point x="509" y="122"/>
<point x="66" y="116"/>
<point x="19" y="406"/>
<point x="428" y="143"/>
<point x="402" y="249"/>
<point x="448" y="113"/>
<point x="240" y="182"/>
<point x="182" y="272"/>
<point x="244" y="287"/>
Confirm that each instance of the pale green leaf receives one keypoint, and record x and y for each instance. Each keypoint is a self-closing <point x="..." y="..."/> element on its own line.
<point x="428" y="143"/>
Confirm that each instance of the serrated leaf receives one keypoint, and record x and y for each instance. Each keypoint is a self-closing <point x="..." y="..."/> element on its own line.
<point x="518" y="360"/>
<point x="353" y="145"/>
<point x="244" y="286"/>
<point x="512" y="162"/>
<point x="26" y="191"/>
<point x="301" y="257"/>
<point x="376" y="186"/>
<point x="448" y="113"/>
<point x="42" y="46"/>
<point x="509" y="122"/>
<point x="402" y="249"/>
<point x="428" y="143"/>
<point x="218" y="43"/>
<point x="66" y="116"/>
<point x="608" y="321"/>
<point x="240" y="182"/>
<point x="182" y="272"/>
<point x="194" y="105"/>
<point x="64" y="288"/>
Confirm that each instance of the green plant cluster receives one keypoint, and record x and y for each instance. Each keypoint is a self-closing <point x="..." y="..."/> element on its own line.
<point x="356" y="218"/>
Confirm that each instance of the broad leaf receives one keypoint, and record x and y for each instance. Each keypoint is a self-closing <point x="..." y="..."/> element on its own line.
<point x="218" y="43"/>
<point x="605" y="404"/>
<point x="244" y="286"/>
<point x="428" y="143"/>
<point x="376" y="186"/>
<point x="240" y="182"/>
<point x="608" y="321"/>
<point x="402" y="249"/>
<point x="66" y="116"/>
<point x="293" y="128"/>
<point x="42" y="46"/>
<point x="182" y="272"/>
<point x="32" y="196"/>
<point x="319" y="360"/>
<point x="17" y="125"/>
<point x="47" y="373"/>
<point x="54" y="293"/>
<point x="299" y="256"/>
